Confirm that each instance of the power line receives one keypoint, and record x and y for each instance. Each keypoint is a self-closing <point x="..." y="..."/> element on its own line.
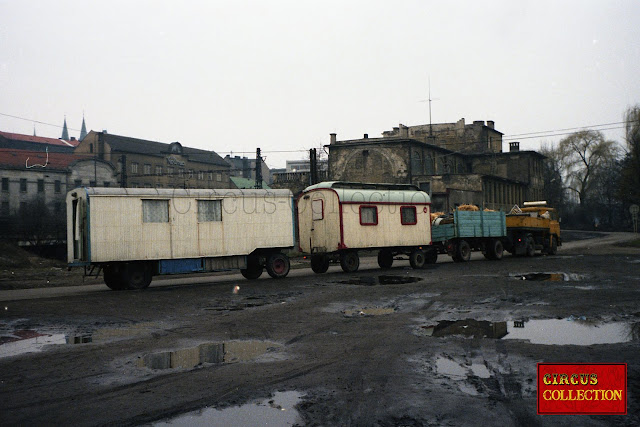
<point x="36" y="121"/>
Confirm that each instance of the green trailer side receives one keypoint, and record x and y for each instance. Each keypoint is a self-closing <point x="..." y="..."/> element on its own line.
<point x="471" y="230"/>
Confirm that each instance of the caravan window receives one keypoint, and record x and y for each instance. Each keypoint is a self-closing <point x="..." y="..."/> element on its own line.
<point x="408" y="215"/>
<point x="209" y="210"/>
<point x="155" y="211"/>
<point x="368" y="215"/>
<point x="317" y="209"/>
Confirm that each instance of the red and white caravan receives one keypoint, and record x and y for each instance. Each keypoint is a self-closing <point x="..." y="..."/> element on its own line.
<point x="336" y="219"/>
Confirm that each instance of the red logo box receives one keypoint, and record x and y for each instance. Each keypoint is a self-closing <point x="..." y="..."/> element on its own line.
<point x="582" y="388"/>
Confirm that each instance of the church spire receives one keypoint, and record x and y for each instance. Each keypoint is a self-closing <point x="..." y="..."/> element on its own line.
<point x="65" y="132"/>
<point x="83" y="130"/>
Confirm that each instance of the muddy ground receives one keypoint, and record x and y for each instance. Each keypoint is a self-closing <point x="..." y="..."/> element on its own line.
<point x="359" y="349"/>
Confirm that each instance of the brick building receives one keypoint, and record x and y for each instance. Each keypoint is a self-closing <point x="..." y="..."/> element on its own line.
<point x="156" y="164"/>
<point x="455" y="163"/>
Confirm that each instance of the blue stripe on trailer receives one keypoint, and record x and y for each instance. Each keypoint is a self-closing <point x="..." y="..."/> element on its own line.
<point x="178" y="266"/>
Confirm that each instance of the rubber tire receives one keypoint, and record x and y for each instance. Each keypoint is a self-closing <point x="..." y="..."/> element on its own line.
<point x="136" y="276"/>
<point x="463" y="251"/>
<point x="278" y="265"/>
<point x="553" y="249"/>
<point x="385" y="259"/>
<point x="495" y="251"/>
<point x="531" y="248"/>
<point x="253" y="270"/>
<point x="349" y="261"/>
<point x="431" y="256"/>
<point x="113" y="278"/>
<point x="417" y="259"/>
<point x="319" y="263"/>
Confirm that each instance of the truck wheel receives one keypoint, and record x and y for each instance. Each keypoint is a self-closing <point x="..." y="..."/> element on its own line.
<point x="385" y="259"/>
<point x="253" y="270"/>
<point x="417" y="259"/>
<point x="495" y="250"/>
<point x="113" y="278"/>
<point x="431" y="256"/>
<point x="463" y="251"/>
<point x="319" y="263"/>
<point x="136" y="276"/>
<point x="349" y="261"/>
<point x="531" y="248"/>
<point x="278" y="265"/>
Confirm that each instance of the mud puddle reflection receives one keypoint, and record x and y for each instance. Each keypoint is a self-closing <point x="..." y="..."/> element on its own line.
<point x="380" y="280"/>
<point x="368" y="311"/>
<point x="547" y="276"/>
<point x="277" y="411"/>
<point x="216" y="352"/>
<point x="569" y="331"/>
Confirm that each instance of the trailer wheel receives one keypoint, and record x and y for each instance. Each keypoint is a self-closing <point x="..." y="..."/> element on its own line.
<point x="531" y="248"/>
<point x="136" y="276"/>
<point x="495" y="250"/>
<point x="385" y="259"/>
<point x="553" y="249"/>
<point x="431" y="256"/>
<point x="349" y="261"/>
<point x="278" y="265"/>
<point x="113" y="278"/>
<point x="253" y="270"/>
<point x="463" y="251"/>
<point x="319" y="263"/>
<point x="417" y="259"/>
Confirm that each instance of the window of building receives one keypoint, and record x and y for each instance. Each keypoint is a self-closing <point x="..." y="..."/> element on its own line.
<point x="41" y="186"/>
<point x="147" y="169"/>
<point x="181" y="173"/>
<point x="158" y="170"/>
<point x="425" y="186"/>
<point x="408" y="215"/>
<point x="4" y="210"/>
<point x="368" y="215"/>
<point x="190" y="173"/>
<point x="158" y="185"/>
<point x="5" y="184"/>
<point x="210" y="176"/>
<point x="91" y="148"/>
<point x="200" y="175"/>
<point x="155" y="211"/>
<point x="57" y="185"/>
<point x="23" y="185"/>
<point x="92" y="184"/>
<point x="77" y="183"/>
<point x="134" y="185"/>
<point x="107" y="184"/>
<point x="169" y="170"/>
<point x="218" y="177"/>
<point x="209" y="210"/>
<point x="317" y="209"/>
<point x="134" y="167"/>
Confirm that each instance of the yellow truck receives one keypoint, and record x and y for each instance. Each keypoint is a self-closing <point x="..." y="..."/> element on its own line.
<point x="531" y="228"/>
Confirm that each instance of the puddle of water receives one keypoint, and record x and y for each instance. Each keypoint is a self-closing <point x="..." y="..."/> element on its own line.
<point x="572" y="332"/>
<point x="547" y="276"/>
<point x="468" y="389"/>
<point x="380" y="280"/>
<point x="480" y="370"/>
<point x="467" y="328"/>
<point x="451" y="369"/>
<point x="216" y="352"/>
<point x="277" y="411"/>
<point x="368" y="311"/>
<point x="28" y="341"/>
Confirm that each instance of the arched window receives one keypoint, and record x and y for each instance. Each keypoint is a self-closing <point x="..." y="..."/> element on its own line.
<point x="416" y="163"/>
<point x="428" y="165"/>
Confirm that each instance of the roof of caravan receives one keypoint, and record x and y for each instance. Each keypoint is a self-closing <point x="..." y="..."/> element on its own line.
<point x="374" y="193"/>
<point x="178" y="192"/>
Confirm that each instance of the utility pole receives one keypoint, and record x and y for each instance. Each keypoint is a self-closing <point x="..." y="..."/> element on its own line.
<point x="258" y="169"/>
<point x="313" y="166"/>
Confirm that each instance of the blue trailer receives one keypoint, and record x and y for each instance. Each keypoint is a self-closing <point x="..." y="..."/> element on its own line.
<point x="462" y="232"/>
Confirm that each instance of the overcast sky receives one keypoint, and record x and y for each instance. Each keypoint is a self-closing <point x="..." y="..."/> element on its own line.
<point x="283" y="75"/>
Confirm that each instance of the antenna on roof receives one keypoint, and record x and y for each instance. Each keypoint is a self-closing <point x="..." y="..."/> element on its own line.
<point x="26" y="162"/>
<point x="429" y="101"/>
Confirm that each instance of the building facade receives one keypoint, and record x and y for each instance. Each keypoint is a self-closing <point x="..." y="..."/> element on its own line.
<point x="475" y="172"/>
<point x="150" y="164"/>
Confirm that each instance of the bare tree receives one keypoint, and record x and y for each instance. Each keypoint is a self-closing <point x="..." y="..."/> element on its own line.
<point x="554" y="191"/>
<point x="584" y="154"/>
